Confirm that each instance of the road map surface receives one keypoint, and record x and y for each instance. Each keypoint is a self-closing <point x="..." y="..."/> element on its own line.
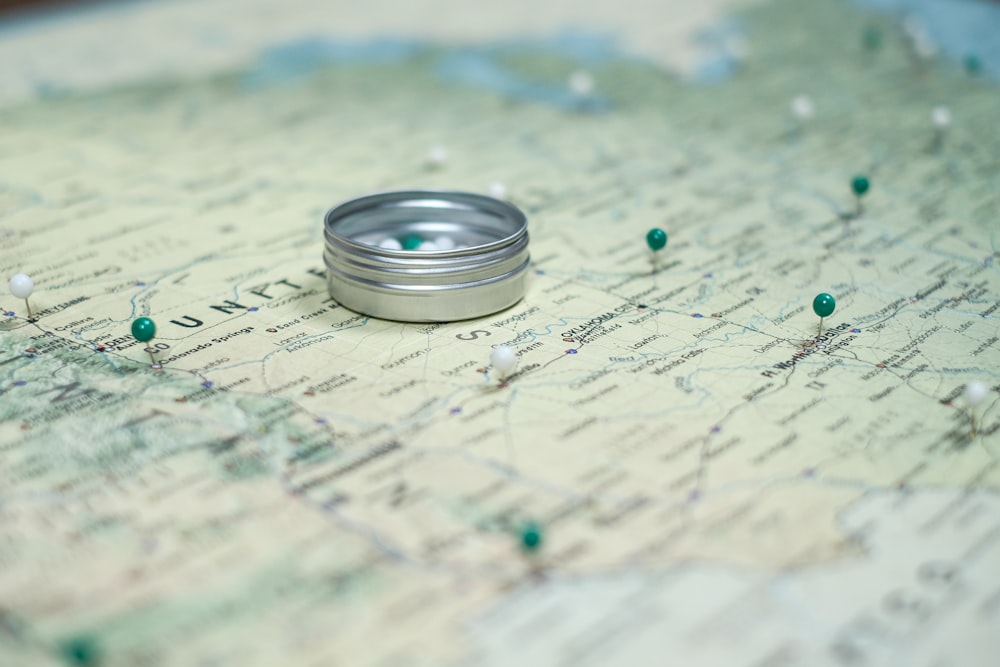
<point x="718" y="482"/>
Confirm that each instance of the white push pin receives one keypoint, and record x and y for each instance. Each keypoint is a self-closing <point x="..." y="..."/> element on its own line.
<point x="941" y="119"/>
<point x="975" y="395"/>
<point x="498" y="190"/>
<point x="21" y="286"/>
<point x="428" y="245"/>
<point x="390" y="243"/>
<point x="437" y="155"/>
<point x="581" y="83"/>
<point x="444" y="242"/>
<point x="504" y="359"/>
<point x="802" y="108"/>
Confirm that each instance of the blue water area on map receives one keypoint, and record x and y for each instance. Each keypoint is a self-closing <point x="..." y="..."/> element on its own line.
<point x="959" y="28"/>
<point x="301" y="58"/>
<point x="478" y="66"/>
<point x="723" y="61"/>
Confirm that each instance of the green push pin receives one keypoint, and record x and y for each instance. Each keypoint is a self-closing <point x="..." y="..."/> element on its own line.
<point x="823" y="306"/>
<point x="143" y="330"/>
<point x="80" y="651"/>
<point x="656" y="239"/>
<point x="871" y="39"/>
<point x="530" y="537"/>
<point x="859" y="186"/>
<point x="412" y="242"/>
<point x="973" y="65"/>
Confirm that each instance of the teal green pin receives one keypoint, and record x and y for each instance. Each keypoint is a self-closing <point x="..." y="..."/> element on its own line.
<point x="530" y="536"/>
<point x="973" y="65"/>
<point x="871" y="39"/>
<point x="823" y="306"/>
<point x="859" y="186"/>
<point x="656" y="239"/>
<point x="80" y="651"/>
<point x="412" y="242"/>
<point x="143" y="330"/>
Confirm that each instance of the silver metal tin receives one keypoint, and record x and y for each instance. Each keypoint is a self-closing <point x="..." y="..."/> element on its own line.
<point x="426" y="285"/>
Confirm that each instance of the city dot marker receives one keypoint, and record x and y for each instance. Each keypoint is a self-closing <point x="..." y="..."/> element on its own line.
<point x="21" y="286"/>
<point x="143" y="330"/>
<point x="859" y="186"/>
<point x="412" y="242"/>
<point x="504" y="359"/>
<point x="823" y="306"/>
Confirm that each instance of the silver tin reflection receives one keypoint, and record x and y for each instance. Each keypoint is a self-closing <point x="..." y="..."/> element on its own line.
<point x="426" y="285"/>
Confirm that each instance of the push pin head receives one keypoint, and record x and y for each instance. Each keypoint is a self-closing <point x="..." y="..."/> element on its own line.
<point x="498" y="190"/>
<point x="941" y="117"/>
<point x="581" y="83"/>
<point x="504" y="359"/>
<point x="656" y="239"/>
<point x="973" y="65"/>
<point x="975" y="392"/>
<point x="802" y="108"/>
<point x="21" y="287"/>
<point x="531" y="537"/>
<point x="437" y="156"/>
<point x="871" y="39"/>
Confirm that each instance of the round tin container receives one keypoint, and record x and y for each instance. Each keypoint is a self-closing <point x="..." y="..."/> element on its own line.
<point x="426" y="285"/>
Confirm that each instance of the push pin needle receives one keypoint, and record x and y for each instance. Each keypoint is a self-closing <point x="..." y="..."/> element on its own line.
<point x="21" y="286"/>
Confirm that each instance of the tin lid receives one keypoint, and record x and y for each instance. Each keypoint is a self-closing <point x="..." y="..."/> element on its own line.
<point x="482" y="273"/>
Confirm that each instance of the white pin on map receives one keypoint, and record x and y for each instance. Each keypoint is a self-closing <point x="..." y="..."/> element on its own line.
<point x="802" y="107"/>
<point x="941" y="117"/>
<point x="444" y="242"/>
<point x="21" y="286"/>
<point x="437" y="155"/>
<point x="504" y="359"/>
<point x="975" y="392"/>
<point x="498" y="190"/>
<point x="581" y="83"/>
